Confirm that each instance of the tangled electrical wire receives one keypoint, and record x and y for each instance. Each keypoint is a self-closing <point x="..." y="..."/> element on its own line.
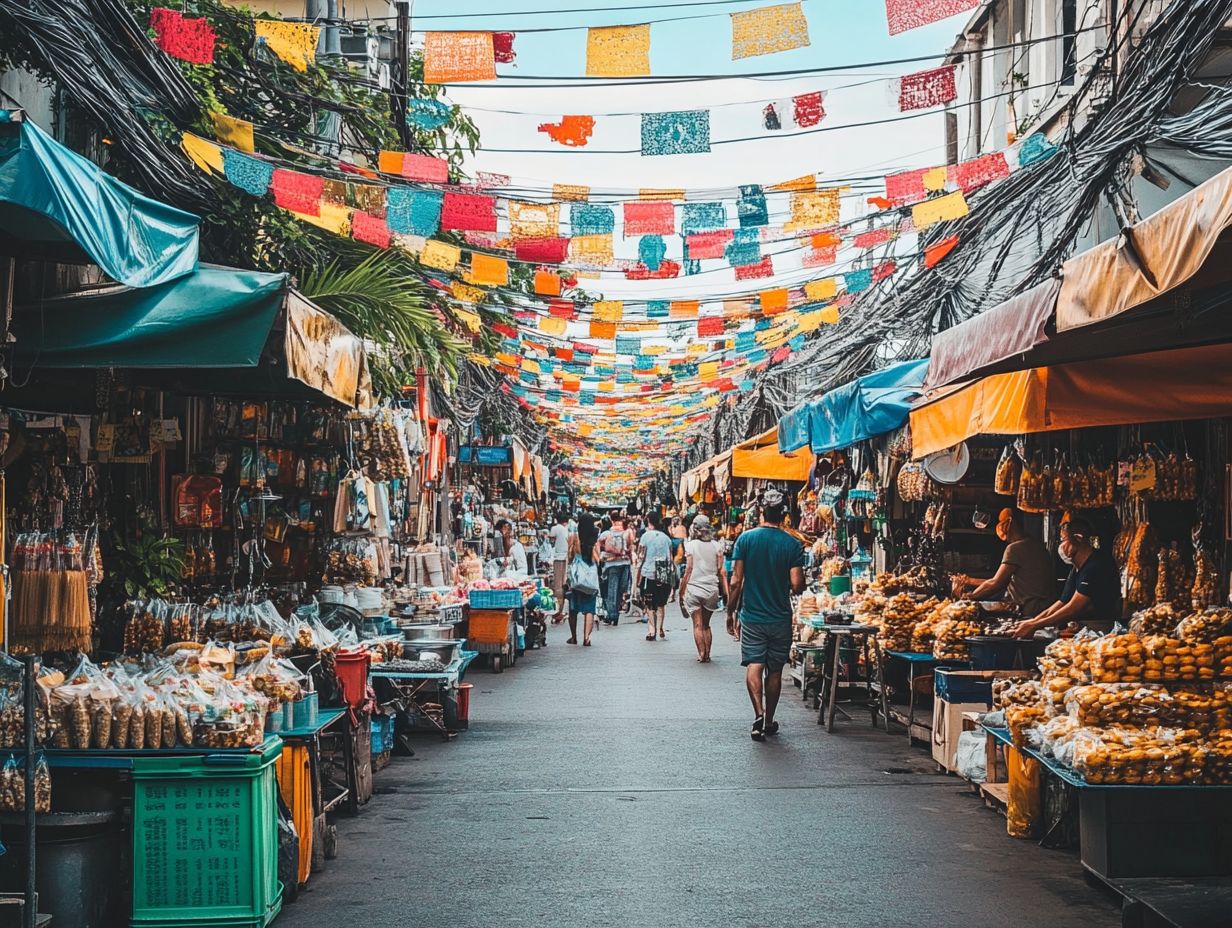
<point x="1021" y="230"/>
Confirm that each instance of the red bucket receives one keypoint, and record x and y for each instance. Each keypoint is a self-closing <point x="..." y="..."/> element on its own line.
<point x="464" y="703"/>
<point x="351" y="669"/>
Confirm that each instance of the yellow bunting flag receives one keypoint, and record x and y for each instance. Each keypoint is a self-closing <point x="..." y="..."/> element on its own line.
<point x="467" y="293"/>
<point x="594" y="250"/>
<point x="489" y="270"/>
<point x="618" y="51"/>
<point x="330" y="217"/>
<point x="609" y="310"/>
<point x="530" y="365"/>
<point x="234" y="132"/>
<point x="708" y="370"/>
<point x="294" y="43"/>
<point x="470" y="320"/>
<point x="811" y="321"/>
<point x="458" y="57"/>
<point x="821" y="289"/>
<point x="440" y="256"/>
<point x="940" y="209"/>
<point x="697" y="348"/>
<point x="806" y="183"/>
<point x="552" y="325"/>
<point x="768" y="30"/>
<point x="934" y="180"/>
<point x="204" y="154"/>
<point x="813" y="210"/>
<point x="578" y="193"/>
<point x="650" y="194"/>
<point x="533" y="220"/>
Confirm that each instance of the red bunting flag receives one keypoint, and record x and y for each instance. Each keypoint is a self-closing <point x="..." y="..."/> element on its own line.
<point x="973" y="174"/>
<point x="935" y="254"/>
<point x="809" y="109"/>
<point x="468" y="211"/>
<point x="709" y="326"/>
<point x="425" y="168"/>
<point x="541" y="250"/>
<point x="872" y="238"/>
<point x="300" y="193"/>
<point x="926" y="89"/>
<point x="708" y="244"/>
<point x="188" y="38"/>
<point x="667" y="271"/>
<point x="657" y="218"/>
<point x="763" y="268"/>
<point x="368" y="228"/>
<point x="502" y="47"/>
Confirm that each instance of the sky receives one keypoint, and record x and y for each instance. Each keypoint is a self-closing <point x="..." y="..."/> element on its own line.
<point x="843" y="34"/>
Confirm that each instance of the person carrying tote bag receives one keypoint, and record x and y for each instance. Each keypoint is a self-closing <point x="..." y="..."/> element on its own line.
<point x="583" y="576"/>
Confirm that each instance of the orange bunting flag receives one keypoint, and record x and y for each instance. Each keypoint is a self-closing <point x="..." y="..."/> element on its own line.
<point x="573" y="131"/>
<point x="575" y="193"/>
<point x="618" y="51"/>
<point x="603" y="330"/>
<point x="489" y="270"/>
<point x="547" y="283"/>
<point x="684" y="309"/>
<point x="773" y="301"/>
<point x="935" y="254"/>
<point x="458" y="57"/>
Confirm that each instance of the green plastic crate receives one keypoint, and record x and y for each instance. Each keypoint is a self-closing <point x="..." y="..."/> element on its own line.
<point x="205" y="839"/>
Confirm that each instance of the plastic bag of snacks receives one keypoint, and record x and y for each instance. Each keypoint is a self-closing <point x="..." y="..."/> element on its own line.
<point x="1108" y="705"/>
<point x="13" y="786"/>
<point x="1171" y="659"/>
<point x="959" y="622"/>
<point x="1152" y="757"/>
<point x="279" y="680"/>
<point x="1056" y="737"/>
<point x="1021" y="720"/>
<point x="1160" y="619"/>
<point x="145" y="629"/>
<point x="1006" y="691"/>
<point x="1217" y="771"/>
<point x="1206" y="627"/>
<point x="1118" y="659"/>
<point x="86" y="693"/>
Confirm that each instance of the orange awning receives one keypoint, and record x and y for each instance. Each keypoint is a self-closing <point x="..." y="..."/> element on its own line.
<point x="1161" y="386"/>
<point x="1154" y="256"/>
<point x="760" y="457"/>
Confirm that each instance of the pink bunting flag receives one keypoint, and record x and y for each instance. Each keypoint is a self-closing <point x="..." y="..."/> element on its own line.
<point x="906" y="188"/>
<point x="371" y="229"/>
<point x="667" y="271"/>
<point x="712" y="244"/>
<point x="649" y="219"/>
<point x="973" y="174"/>
<point x="872" y="238"/>
<point x="903" y="15"/>
<point x="763" y="268"/>
<point x="425" y="168"/>
<point x="926" y="89"/>
<point x="300" y="193"/>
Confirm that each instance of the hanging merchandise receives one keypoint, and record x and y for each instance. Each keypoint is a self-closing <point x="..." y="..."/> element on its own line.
<point x="50" y="608"/>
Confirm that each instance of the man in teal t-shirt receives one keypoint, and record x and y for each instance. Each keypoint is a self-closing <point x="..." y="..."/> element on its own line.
<point x="768" y="566"/>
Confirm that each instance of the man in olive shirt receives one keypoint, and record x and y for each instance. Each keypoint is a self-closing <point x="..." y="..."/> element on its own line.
<point x="768" y="566"/>
<point x="1025" y="575"/>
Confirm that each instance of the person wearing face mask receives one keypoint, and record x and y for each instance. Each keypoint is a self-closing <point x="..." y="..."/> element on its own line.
<point x="1025" y="575"/>
<point x="1092" y="593"/>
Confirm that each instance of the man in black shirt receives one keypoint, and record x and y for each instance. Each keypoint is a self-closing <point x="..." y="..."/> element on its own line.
<point x="1093" y="589"/>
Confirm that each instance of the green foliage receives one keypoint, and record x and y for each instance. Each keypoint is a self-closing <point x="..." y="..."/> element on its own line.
<point x="149" y="566"/>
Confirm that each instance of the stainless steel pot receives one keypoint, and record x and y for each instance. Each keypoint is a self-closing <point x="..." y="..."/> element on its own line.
<point x="433" y="631"/>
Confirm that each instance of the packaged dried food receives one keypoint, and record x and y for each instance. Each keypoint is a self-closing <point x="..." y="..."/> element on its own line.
<point x="1009" y="473"/>
<point x="1160" y="619"/>
<point x="1151" y="757"/>
<point x="1021" y="720"/>
<point x="1007" y="692"/>
<point x="1206" y="626"/>
<point x="959" y="621"/>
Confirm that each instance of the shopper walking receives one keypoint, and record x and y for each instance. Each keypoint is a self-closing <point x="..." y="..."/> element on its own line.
<point x="768" y="567"/>
<point x="704" y="583"/>
<point x="559" y="533"/>
<point x="679" y="535"/>
<point x="584" y="547"/>
<point x="655" y="574"/>
<point x="617" y="552"/>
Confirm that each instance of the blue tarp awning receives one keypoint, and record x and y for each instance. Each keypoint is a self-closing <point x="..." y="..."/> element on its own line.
<point x="52" y="197"/>
<point x="871" y="405"/>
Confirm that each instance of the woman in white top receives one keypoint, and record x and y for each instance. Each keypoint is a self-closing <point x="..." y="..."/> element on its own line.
<point x="513" y="558"/>
<point x="703" y="583"/>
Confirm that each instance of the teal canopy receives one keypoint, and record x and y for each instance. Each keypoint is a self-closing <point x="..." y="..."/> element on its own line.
<point x="214" y="317"/>
<point x="54" y="201"/>
<point x="869" y="406"/>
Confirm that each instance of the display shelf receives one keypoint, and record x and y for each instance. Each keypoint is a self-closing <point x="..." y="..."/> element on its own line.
<point x="325" y="718"/>
<point x="124" y="758"/>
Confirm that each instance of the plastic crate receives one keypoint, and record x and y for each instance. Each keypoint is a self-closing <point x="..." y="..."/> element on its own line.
<point x="205" y="839"/>
<point x="382" y="733"/>
<point x="488" y="626"/>
<point x="495" y="599"/>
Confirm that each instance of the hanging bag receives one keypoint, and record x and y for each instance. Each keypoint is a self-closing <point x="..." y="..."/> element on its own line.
<point x="583" y="577"/>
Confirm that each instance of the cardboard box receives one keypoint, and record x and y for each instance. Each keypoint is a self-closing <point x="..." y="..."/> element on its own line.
<point x="947" y="726"/>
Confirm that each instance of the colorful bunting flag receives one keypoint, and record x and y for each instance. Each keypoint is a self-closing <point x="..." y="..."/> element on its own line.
<point x="684" y="309"/>
<point x="591" y="219"/>
<point x="926" y="89"/>
<point x="426" y="113"/>
<point x="190" y="39"/>
<point x="618" y="51"/>
<point x="602" y="330"/>
<point x="574" y="131"/>
<point x="768" y="30"/>
<point x="751" y="208"/>
<point x="468" y="294"/>
<point x="440" y="256"/>
<point x="699" y="217"/>
<point x="533" y="220"/>
<point x="425" y="168"/>
<point x="414" y="212"/>
<point x="552" y="250"/>
<point x="502" y="47"/>
<point x="651" y="250"/>
<point x="814" y="210"/>
<point x="468" y="211"/>
<point x="294" y="43"/>
<point x="676" y="133"/>
<point x="821" y="290"/>
<point x="458" y="57"/>
<point x="973" y="174"/>
<point x="656" y="218"/>
<point x="858" y="281"/>
<point x="488" y="270"/>
<point x="744" y="248"/>
<point x="872" y="238"/>
<point x="370" y="229"/>
<point x="903" y="15"/>
<point x="234" y="132"/>
<point x="773" y="301"/>
<point x="650" y="193"/>
<point x="296" y="191"/>
<point x="809" y="109"/>
<point x="939" y="209"/>
<point x="1035" y="148"/>
<point x="707" y="244"/>
<point x="204" y="153"/>
<point x="935" y="254"/>
<point x="551" y="325"/>
<point x="763" y="268"/>
<point x="578" y="193"/>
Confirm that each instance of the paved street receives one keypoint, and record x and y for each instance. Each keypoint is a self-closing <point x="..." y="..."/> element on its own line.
<point x="617" y="786"/>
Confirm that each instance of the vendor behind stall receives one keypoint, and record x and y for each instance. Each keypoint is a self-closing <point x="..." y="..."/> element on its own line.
<point x="510" y="550"/>
<point x="1025" y="576"/>
<point x="1092" y="593"/>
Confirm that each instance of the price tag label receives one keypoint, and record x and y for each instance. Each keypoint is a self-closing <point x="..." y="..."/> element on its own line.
<point x="1142" y="475"/>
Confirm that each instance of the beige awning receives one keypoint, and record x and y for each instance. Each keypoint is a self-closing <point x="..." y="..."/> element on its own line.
<point x="1154" y="256"/>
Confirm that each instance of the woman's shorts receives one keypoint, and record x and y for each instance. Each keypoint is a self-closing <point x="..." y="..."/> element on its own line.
<point x="655" y="595"/>
<point x="700" y="599"/>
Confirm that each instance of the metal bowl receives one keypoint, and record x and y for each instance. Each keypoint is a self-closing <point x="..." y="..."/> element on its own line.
<point x="445" y="651"/>
<point x="421" y="632"/>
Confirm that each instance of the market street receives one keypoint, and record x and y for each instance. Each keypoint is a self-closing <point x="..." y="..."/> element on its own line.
<point x="617" y="786"/>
